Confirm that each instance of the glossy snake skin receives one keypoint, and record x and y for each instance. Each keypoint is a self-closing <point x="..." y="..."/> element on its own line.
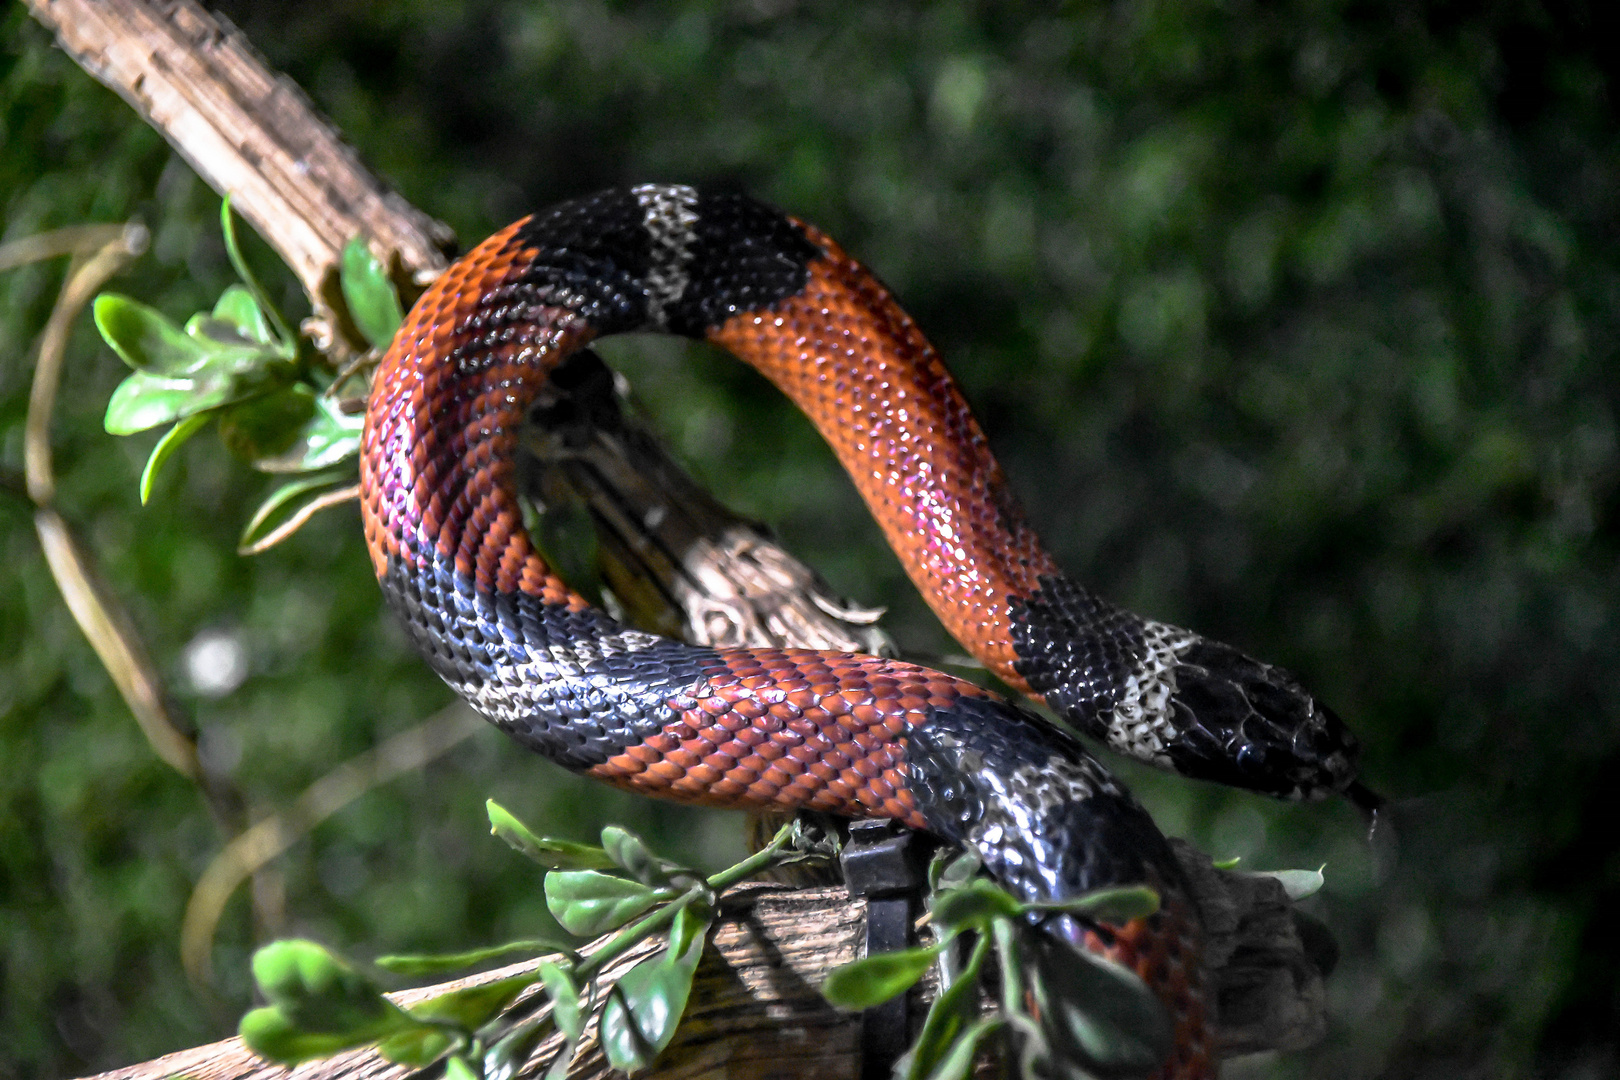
<point x="853" y="735"/>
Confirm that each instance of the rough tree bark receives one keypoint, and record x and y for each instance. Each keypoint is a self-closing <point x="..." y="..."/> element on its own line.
<point x="755" y="1010"/>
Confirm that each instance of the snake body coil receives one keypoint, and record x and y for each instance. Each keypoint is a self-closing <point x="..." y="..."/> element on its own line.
<point x="853" y="735"/>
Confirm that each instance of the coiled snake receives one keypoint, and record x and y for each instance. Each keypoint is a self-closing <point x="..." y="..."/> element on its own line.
<point x="853" y="735"/>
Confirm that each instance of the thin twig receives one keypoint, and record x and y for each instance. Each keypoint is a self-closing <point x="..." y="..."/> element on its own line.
<point x="70" y="240"/>
<point x="120" y="652"/>
<point x="81" y="285"/>
<point x="92" y="606"/>
<point x="297" y="521"/>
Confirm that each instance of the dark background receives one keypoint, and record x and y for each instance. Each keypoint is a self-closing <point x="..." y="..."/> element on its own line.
<point x="1295" y="323"/>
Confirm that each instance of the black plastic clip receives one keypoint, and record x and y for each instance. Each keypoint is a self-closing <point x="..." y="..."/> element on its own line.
<point x="880" y="862"/>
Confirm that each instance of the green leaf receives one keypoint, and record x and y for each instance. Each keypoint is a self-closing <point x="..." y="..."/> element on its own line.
<point x="626" y="1048"/>
<point x="233" y="251"/>
<point x="370" y="295"/>
<point x="223" y="342"/>
<point x="266" y="427"/>
<point x="957" y="1062"/>
<point x="565" y="1004"/>
<point x="270" y="1034"/>
<point x="316" y="989"/>
<point x="439" y="963"/>
<point x="458" y="1069"/>
<point x="294" y="429"/>
<point x="471" y="1007"/>
<point x="587" y="903"/>
<point x="237" y="307"/>
<point x="1117" y="905"/>
<point x="974" y="904"/>
<point x="1298" y="884"/>
<point x="146" y="399"/>
<point x="646" y="1004"/>
<point x="165" y="448"/>
<point x="145" y="339"/>
<point x="318" y="1005"/>
<point x="691" y="924"/>
<point x="946" y="873"/>
<point x="552" y="854"/>
<point x="873" y="980"/>
<point x="627" y="850"/>
<point x="950" y="1012"/>
<point x="560" y="1063"/>
<point x="417" y="1048"/>
<point x="277" y="508"/>
<point x="512" y="1051"/>
<point x="331" y="436"/>
<point x="1227" y="864"/>
<point x="1097" y="1013"/>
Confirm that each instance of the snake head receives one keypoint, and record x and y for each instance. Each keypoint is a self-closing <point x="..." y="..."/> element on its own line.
<point x="1234" y="720"/>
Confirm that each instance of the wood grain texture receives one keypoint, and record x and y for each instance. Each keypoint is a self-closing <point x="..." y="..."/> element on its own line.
<point x="251" y="133"/>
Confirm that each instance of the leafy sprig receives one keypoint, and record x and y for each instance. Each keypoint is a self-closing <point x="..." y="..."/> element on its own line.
<point x="1065" y="1013"/>
<point x="320" y="1004"/>
<point x="1071" y="1013"/>
<point x="274" y="395"/>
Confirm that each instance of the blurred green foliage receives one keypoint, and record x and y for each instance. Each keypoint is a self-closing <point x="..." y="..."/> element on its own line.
<point x="1296" y="323"/>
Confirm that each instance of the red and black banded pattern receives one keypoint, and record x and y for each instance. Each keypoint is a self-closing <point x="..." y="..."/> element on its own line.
<point x="853" y="735"/>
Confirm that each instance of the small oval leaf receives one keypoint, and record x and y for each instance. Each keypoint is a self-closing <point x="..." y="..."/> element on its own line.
<point x="953" y="871"/>
<point x="550" y="853"/>
<point x="587" y="903"/>
<point x="144" y="338"/>
<point x="563" y="991"/>
<point x="629" y="851"/>
<point x="512" y="1051"/>
<point x="974" y="904"/>
<point x="1116" y="905"/>
<point x="953" y="1010"/>
<point x="144" y="400"/>
<point x="416" y="1049"/>
<point x="330" y="436"/>
<point x="1298" y="884"/>
<point x="645" y="1007"/>
<point x="370" y="295"/>
<point x="439" y="963"/>
<point x="165" y="448"/>
<point x="957" y="1061"/>
<point x="621" y="1039"/>
<point x="268" y="1033"/>
<point x="690" y="927"/>
<point x="268" y="426"/>
<point x="1097" y="1013"/>
<point x="300" y="977"/>
<point x="471" y="1007"/>
<point x="873" y="980"/>
<point x="237" y="307"/>
<point x="285" y="502"/>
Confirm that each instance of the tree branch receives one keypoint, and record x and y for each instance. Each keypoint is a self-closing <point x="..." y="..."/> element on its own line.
<point x="756" y="1010"/>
